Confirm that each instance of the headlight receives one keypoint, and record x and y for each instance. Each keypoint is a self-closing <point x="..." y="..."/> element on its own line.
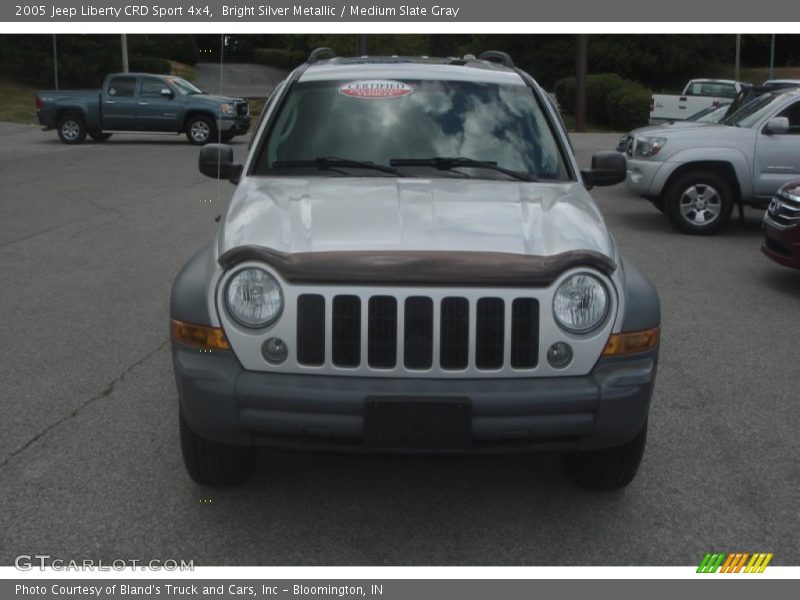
<point x="254" y="297"/>
<point x="649" y="146"/>
<point x="228" y="109"/>
<point x="580" y="303"/>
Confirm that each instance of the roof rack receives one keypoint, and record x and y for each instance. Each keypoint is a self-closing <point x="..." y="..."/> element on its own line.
<point x="317" y="54"/>
<point x="498" y="57"/>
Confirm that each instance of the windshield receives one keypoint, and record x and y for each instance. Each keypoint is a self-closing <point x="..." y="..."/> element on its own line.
<point x="184" y="87"/>
<point x="495" y="131"/>
<point x="752" y="112"/>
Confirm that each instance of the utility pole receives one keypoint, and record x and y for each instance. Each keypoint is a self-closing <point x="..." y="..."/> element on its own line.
<point x="361" y="44"/>
<point x="581" y="68"/>
<point x="124" y="41"/>
<point x="772" y="58"/>
<point x="738" y="56"/>
<point x="55" y="61"/>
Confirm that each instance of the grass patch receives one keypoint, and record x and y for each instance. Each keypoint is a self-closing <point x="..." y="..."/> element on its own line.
<point x="17" y="102"/>
<point x="188" y="72"/>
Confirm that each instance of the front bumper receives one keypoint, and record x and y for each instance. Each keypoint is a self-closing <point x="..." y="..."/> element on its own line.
<point x="782" y="244"/>
<point x="238" y="125"/>
<point x="644" y="177"/>
<point x="223" y="402"/>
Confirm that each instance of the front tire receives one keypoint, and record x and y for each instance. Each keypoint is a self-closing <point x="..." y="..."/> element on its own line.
<point x="212" y="463"/>
<point x="699" y="203"/>
<point x="609" y="468"/>
<point x="72" y="129"/>
<point x="201" y="130"/>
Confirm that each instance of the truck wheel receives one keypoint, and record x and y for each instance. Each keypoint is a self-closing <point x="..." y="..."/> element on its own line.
<point x="609" y="468"/>
<point x="99" y="136"/>
<point x="699" y="203"/>
<point x="72" y="129"/>
<point x="212" y="463"/>
<point x="200" y="130"/>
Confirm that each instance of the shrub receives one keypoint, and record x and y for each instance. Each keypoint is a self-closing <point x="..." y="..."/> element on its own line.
<point x="598" y="87"/>
<point x="281" y="58"/>
<point x="180" y="48"/>
<point x="565" y="92"/>
<point x="627" y="107"/>
<point x="610" y="100"/>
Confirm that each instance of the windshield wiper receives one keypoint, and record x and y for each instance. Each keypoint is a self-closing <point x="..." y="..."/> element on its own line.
<point x="333" y="162"/>
<point x="445" y="163"/>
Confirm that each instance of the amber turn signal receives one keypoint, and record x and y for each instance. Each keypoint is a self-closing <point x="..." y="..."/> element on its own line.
<point x="631" y="342"/>
<point x="199" y="336"/>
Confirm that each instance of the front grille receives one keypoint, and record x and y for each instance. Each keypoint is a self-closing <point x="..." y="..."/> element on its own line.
<point x="346" y="332"/>
<point x="311" y="330"/>
<point x="525" y="333"/>
<point x="454" y="346"/>
<point x="382" y="332"/>
<point x="418" y="333"/>
<point x="784" y="210"/>
<point x="242" y="108"/>
<point x="489" y="333"/>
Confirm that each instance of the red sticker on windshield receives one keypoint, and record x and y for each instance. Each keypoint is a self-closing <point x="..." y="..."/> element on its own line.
<point x="376" y="89"/>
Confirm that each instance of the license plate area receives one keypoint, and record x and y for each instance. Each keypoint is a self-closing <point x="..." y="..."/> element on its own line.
<point x="402" y="423"/>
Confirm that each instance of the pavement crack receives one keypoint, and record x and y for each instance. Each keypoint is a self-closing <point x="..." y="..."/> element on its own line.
<point x="105" y="393"/>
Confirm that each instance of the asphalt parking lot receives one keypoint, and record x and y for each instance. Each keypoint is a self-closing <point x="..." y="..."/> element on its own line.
<point x="91" y="238"/>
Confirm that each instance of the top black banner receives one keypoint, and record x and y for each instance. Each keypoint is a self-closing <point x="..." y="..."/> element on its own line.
<point x="464" y="11"/>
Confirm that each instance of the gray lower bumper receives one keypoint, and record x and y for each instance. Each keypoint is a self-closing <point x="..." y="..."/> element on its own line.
<point x="237" y="125"/>
<point x="223" y="402"/>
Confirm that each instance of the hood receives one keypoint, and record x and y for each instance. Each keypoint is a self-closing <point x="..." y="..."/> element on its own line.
<point x="657" y="129"/>
<point x="717" y="130"/>
<point x="709" y="135"/>
<point x="322" y="214"/>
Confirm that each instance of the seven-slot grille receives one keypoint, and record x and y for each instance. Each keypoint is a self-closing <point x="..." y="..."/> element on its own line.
<point x="412" y="334"/>
<point x="242" y="108"/>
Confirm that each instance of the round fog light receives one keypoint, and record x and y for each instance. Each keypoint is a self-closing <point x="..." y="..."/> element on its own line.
<point x="559" y="355"/>
<point x="274" y="350"/>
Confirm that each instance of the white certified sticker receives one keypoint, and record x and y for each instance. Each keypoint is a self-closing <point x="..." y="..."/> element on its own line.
<point x="376" y="89"/>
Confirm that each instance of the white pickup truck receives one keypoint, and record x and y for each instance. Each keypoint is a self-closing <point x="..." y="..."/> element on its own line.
<point x="698" y="95"/>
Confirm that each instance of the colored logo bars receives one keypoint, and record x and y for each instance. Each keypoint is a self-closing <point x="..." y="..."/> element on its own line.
<point x="734" y="562"/>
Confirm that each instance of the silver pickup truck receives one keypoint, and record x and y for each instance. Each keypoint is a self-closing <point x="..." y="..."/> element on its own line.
<point x="696" y="175"/>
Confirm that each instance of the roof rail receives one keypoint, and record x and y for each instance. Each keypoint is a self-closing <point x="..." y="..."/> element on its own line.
<point x="498" y="57"/>
<point x="317" y="54"/>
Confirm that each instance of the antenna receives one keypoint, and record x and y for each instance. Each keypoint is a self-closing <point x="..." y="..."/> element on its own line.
<point x="219" y="130"/>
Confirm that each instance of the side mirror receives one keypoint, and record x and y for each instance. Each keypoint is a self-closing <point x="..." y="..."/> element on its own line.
<point x="167" y="93"/>
<point x="608" y="168"/>
<point x="216" y="161"/>
<point x="777" y="126"/>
